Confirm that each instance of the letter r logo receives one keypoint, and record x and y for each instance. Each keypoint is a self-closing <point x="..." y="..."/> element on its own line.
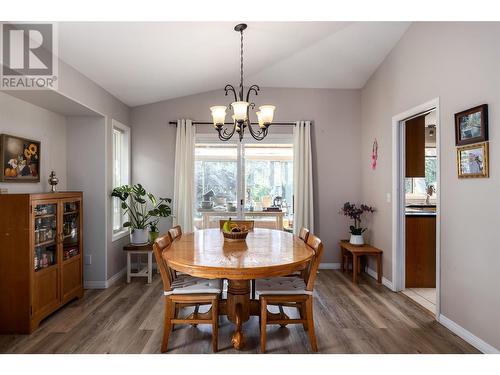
<point x="27" y="49"/>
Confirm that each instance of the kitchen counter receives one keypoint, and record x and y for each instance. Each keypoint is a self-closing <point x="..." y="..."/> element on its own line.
<point x="420" y="213"/>
<point x="420" y="210"/>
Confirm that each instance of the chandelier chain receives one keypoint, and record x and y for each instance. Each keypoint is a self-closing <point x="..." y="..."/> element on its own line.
<point x="241" y="66"/>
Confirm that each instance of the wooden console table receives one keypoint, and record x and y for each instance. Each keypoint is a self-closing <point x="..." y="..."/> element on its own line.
<point x="139" y="251"/>
<point x="357" y="252"/>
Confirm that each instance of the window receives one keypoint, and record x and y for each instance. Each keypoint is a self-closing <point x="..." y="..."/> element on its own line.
<point x="121" y="173"/>
<point x="243" y="178"/>
<point x="417" y="187"/>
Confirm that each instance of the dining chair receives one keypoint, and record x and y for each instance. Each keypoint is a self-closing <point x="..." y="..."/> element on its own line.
<point x="250" y="224"/>
<point x="294" y="292"/>
<point x="186" y="291"/>
<point x="303" y="234"/>
<point x="175" y="232"/>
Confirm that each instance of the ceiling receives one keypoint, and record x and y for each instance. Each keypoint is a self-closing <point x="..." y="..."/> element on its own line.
<point x="145" y="62"/>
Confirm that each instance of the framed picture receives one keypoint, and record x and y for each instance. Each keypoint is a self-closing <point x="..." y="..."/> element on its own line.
<point x="472" y="161"/>
<point x="471" y="126"/>
<point x="19" y="159"/>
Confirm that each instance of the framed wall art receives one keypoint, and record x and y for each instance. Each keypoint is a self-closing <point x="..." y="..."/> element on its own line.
<point x="471" y="126"/>
<point x="19" y="159"/>
<point x="472" y="161"/>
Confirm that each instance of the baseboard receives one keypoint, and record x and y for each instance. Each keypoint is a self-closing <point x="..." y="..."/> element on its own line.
<point x="117" y="276"/>
<point x="385" y="282"/>
<point x="329" y="266"/>
<point x="92" y="284"/>
<point x="105" y="284"/>
<point x="467" y="336"/>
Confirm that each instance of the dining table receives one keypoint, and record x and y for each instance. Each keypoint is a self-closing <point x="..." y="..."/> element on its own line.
<point x="264" y="253"/>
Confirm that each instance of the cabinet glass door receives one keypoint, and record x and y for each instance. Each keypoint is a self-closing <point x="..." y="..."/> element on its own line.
<point x="45" y="250"/>
<point x="70" y="229"/>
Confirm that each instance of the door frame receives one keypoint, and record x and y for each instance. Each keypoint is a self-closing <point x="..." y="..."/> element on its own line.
<point x="398" y="194"/>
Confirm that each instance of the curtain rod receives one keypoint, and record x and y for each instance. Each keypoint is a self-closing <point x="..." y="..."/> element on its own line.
<point x="230" y="123"/>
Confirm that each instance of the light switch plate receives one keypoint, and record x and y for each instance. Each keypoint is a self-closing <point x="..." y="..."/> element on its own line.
<point x="388" y="197"/>
<point x="88" y="259"/>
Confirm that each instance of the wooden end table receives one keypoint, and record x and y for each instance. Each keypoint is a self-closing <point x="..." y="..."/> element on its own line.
<point x="139" y="251"/>
<point x="357" y="252"/>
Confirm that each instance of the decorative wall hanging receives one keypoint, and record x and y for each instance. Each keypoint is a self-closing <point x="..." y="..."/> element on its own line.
<point x="471" y="126"/>
<point x="374" y="154"/>
<point x="472" y="161"/>
<point x="19" y="159"/>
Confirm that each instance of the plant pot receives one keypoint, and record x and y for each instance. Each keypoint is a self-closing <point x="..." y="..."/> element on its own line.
<point x="357" y="239"/>
<point x="153" y="236"/>
<point x="139" y="236"/>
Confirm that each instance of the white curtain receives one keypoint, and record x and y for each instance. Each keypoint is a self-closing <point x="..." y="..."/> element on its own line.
<point x="182" y="206"/>
<point x="302" y="177"/>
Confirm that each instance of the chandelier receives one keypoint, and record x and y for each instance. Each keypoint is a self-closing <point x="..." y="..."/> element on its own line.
<point x="241" y="108"/>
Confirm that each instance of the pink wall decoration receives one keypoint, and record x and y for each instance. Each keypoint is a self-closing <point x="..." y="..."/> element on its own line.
<point x="374" y="154"/>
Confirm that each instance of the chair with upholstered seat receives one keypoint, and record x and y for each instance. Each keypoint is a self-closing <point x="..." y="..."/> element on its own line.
<point x="175" y="232"/>
<point x="186" y="291"/>
<point x="296" y="291"/>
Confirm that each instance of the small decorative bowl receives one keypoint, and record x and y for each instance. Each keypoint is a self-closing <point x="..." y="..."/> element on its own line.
<point x="235" y="236"/>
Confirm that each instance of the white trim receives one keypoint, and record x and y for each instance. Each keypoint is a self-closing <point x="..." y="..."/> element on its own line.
<point x="105" y="284"/>
<point x="329" y="266"/>
<point x="120" y="234"/>
<point x="385" y="282"/>
<point x="398" y="199"/>
<point x="472" y="339"/>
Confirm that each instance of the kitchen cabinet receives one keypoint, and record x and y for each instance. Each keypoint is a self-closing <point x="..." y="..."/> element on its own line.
<point x="420" y="260"/>
<point x="415" y="147"/>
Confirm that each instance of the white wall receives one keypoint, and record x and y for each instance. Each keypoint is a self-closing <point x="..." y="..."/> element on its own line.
<point x="335" y="136"/>
<point x="23" y="119"/>
<point x="457" y="62"/>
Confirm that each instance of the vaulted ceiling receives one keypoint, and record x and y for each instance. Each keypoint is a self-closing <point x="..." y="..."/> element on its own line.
<point x="145" y="62"/>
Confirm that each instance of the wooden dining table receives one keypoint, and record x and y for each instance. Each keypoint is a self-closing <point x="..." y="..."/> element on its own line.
<point x="265" y="253"/>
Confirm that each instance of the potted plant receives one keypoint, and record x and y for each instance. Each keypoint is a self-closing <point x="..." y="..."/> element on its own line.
<point x="354" y="212"/>
<point x="153" y="230"/>
<point x="134" y="203"/>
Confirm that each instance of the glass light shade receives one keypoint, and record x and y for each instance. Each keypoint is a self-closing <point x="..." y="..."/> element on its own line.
<point x="260" y="119"/>
<point x="240" y="110"/>
<point x="218" y="114"/>
<point x="266" y="114"/>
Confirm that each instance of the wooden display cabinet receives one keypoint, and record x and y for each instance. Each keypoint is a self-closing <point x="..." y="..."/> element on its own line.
<point x="41" y="257"/>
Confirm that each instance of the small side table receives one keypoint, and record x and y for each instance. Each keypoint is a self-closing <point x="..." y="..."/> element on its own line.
<point x="357" y="252"/>
<point x="139" y="251"/>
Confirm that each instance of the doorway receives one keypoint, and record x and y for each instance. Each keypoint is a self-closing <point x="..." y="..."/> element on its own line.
<point x="416" y="255"/>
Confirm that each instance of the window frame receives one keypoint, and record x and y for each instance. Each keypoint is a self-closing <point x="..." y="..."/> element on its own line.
<point x="125" y="162"/>
<point x="206" y="138"/>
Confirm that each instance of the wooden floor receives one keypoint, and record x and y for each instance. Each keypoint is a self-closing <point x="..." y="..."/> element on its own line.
<point x="364" y="318"/>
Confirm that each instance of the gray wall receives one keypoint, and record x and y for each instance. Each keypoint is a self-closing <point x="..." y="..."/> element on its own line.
<point x="78" y="87"/>
<point x="86" y="145"/>
<point x="336" y="142"/>
<point x="457" y="62"/>
<point x="27" y="120"/>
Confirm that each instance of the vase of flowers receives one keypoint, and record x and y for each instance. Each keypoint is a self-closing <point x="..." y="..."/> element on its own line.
<point x="143" y="210"/>
<point x="354" y="212"/>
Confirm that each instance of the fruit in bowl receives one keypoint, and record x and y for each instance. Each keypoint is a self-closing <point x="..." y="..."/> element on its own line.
<point x="233" y="231"/>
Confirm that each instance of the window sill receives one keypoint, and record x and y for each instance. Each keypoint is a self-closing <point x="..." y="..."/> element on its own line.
<point x="119" y="235"/>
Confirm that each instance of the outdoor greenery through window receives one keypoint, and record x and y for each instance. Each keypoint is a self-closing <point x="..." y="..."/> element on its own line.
<point x="121" y="155"/>
<point x="243" y="178"/>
